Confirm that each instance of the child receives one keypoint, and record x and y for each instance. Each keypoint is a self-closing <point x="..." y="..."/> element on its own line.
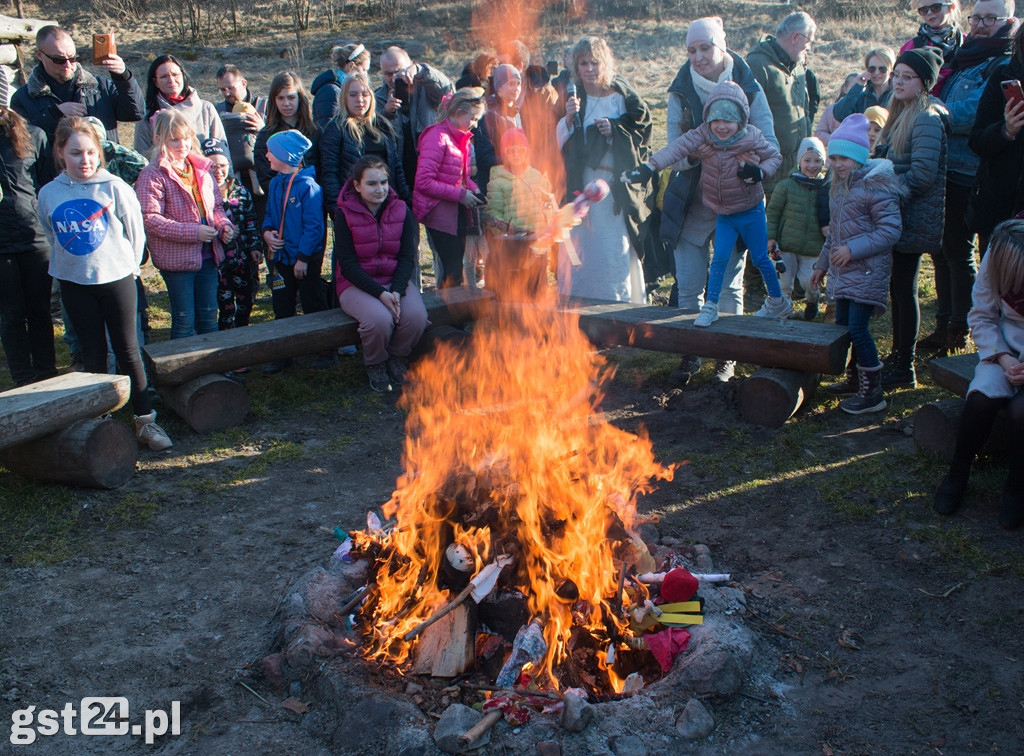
<point x="877" y="116"/>
<point x="735" y="156"/>
<point x="997" y="327"/>
<point x="239" y="272"/>
<point x="798" y="220"/>
<point x="519" y="203"/>
<point x="93" y="223"/>
<point x="864" y="225"/>
<point x="294" y="231"/>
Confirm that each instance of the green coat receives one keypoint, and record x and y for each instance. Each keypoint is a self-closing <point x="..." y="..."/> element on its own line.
<point x="793" y="218"/>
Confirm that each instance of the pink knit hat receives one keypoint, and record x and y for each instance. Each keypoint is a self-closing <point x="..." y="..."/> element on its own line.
<point x="707" y="29"/>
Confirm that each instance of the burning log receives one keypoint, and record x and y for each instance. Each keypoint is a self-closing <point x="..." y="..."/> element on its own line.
<point x="447" y="647"/>
<point x="479" y="588"/>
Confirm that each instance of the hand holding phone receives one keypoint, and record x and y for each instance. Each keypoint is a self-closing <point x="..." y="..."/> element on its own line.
<point x="1013" y="113"/>
<point x="103" y="46"/>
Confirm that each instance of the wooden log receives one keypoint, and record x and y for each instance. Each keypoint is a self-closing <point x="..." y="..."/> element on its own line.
<point x="771" y="396"/>
<point x="208" y="403"/>
<point x="171" y="363"/>
<point x="21" y="29"/>
<point x="448" y="647"/>
<point x="46" y="407"/>
<point x="936" y="425"/>
<point x="954" y="373"/>
<point x="95" y="453"/>
<point x="791" y="344"/>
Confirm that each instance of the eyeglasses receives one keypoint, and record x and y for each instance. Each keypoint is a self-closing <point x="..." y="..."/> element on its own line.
<point x="877" y="69"/>
<point x="986" y="20"/>
<point x="810" y="40"/>
<point x="904" y="78"/>
<point x="60" y="61"/>
<point x="927" y="10"/>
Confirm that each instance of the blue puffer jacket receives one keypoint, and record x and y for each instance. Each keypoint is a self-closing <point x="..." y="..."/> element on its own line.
<point x="305" y="230"/>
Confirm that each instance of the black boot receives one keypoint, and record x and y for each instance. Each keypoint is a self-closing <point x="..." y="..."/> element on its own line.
<point x="937" y="338"/>
<point x="848" y="385"/>
<point x="1011" y="513"/>
<point x="951" y="493"/>
<point x="956" y="340"/>
<point x="899" y="371"/>
<point x="869" y="396"/>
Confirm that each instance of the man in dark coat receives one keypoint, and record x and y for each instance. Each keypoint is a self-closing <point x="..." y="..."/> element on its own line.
<point x="58" y="86"/>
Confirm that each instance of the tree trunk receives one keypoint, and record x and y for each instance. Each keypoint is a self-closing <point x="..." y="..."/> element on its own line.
<point x="209" y="403"/>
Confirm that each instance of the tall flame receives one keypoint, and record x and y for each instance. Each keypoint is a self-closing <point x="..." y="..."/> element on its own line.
<point x="510" y="421"/>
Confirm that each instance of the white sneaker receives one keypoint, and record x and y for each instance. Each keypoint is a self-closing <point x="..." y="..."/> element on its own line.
<point x="725" y="370"/>
<point x="776" y="307"/>
<point x="708" y="315"/>
<point x="150" y="434"/>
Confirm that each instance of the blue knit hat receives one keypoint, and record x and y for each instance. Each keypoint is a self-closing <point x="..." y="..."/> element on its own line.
<point x="850" y="139"/>
<point x="289" y="146"/>
<point x="213" y="146"/>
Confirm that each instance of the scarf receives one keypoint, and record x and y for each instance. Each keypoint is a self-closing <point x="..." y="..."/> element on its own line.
<point x="704" y="86"/>
<point x="947" y="39"/>
<point x="810" y="183"/>
<point x="175" y="99"/>
<point x="740" y="133"/>
<point x="976" y="50"/>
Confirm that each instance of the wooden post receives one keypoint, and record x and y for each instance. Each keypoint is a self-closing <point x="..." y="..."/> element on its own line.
<point x="208" y="403"/>
<point x="97" y="453"/>
<point x="771" y="395"/>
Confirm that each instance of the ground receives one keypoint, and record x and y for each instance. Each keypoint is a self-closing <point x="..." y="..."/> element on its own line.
<point x="882" y="628"/>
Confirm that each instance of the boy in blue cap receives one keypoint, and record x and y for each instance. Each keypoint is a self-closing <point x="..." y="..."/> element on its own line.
<point x="294" y="231"/>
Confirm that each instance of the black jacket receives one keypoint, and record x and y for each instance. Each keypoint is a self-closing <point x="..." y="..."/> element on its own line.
<point x="339" y="152"/>
<point x="20" y="179"/>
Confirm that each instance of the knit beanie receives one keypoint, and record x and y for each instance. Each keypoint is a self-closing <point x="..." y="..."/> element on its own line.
<point x="811" y="144"/>
<point x="503" y="74"/>
<point x="513" y="138"/>
<point x="877" y="115"/>
<point x="215" y="147"/>
<point x="850" y="139"/>
<point x="724" y="110"/>
<point x="707" y="29"/>
<point x="289" y="146"/>
<point x="926" y="62"/>
<point x="97" y="127"/>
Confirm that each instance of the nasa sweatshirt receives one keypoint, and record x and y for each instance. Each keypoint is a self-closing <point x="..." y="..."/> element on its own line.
<point x="94" y="228"/>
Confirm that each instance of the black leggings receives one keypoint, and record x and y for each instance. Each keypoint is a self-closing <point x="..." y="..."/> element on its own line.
<point x="906" y="314"/>
<point x="25" y="326"/>
<point x="450" y="249"/>
<point x="308" y="290"/>
<point x="98" y="309"/>
<point x="975" y="427"/>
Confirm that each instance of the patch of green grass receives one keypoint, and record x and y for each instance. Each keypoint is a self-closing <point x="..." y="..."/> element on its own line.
<point x="132" y="509"/>
<point x="36" y="521"/>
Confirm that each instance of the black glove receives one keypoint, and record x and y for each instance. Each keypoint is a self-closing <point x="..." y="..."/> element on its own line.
<point x="750" y="174"/>
<point x="639" y="175"/>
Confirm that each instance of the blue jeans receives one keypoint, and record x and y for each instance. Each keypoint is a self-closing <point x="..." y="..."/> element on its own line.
<point x="855" y="316"/>
<point x="752" y="227"/>
<point x="692" y="277"/>
<point x="193" y="300"/>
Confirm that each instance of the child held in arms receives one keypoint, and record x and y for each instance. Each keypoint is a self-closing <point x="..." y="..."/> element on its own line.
<point x="798" y="221"/>
<point x="735" y="157"/>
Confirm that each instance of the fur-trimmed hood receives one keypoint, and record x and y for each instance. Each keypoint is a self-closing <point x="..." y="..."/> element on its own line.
<point x="878" y="175"/>
<point x="37" y="86"/>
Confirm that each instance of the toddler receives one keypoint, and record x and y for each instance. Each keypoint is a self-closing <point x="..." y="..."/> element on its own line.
<point x="735" y="156"/>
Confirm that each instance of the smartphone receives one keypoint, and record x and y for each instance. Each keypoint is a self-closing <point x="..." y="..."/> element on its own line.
<point x="1012" y="91"/>
<point x="103" y="46"/>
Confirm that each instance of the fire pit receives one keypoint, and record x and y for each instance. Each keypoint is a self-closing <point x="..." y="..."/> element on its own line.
<point x="510" y="568"/>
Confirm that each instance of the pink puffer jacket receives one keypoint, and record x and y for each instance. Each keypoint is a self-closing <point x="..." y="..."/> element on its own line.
<point x="442" y="175"/>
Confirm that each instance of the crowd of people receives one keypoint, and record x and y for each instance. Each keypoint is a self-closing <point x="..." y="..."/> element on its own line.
<point x="917" y="153"/>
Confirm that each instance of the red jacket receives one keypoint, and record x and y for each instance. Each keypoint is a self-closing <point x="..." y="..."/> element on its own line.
<point x="171" y="215"/>
<point x="442" y="174"/>
<point x="377" y="241"/>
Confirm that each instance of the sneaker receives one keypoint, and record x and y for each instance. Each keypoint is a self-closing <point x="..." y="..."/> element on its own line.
<point x="347" y="351"/>
<point x="397" y="368"/>
<point x="324" y="362"/>
<point x="708" y="315"/>
<point x="950" y="495"/>
<point x="150" y="434"/>
<point x="688" y="367"/>
<point x="277" y="366"/>
<point x="380" y="381"/>
<point x="811" y="311"/>
<point x="724" y="371"/>
<point x="775" y="307"/>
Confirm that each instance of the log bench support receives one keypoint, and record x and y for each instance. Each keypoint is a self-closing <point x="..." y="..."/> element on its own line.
<point x="772" y="395"/>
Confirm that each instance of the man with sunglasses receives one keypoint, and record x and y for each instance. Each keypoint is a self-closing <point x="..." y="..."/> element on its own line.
<point x="59" y="86"/>
<point x="988" y="45"/>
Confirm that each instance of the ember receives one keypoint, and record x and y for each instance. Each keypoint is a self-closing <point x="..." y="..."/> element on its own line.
<point x="514" y="480"/>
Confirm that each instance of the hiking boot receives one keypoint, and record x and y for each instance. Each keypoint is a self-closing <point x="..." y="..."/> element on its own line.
<point x="724" y="371"/>
<point x="775" y="307"/>
<point x="397" y="368"/>
<point x="869" y="396"/>
<point x="950" y="495"/>
<point x="380" y="381"/>
<point x="150" y="434"/>
<point x="897" y="377"/>
<point x="810" y="311"/>
<point x="956" y="341"/>
<point x="708" y="315"/>
<point x="688" y="367"/>
<point x="849" y="385"/>
<point x="277" y="366"/>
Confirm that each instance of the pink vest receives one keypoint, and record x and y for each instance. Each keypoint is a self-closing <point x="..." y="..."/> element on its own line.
<point x="377" y="241"/>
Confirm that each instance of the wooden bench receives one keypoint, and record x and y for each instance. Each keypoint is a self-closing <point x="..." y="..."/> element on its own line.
<point x="52" y="431"/>
<point x="187" y="372"/>
<point x="936" y="423"/>
<point x="792" y="353"/>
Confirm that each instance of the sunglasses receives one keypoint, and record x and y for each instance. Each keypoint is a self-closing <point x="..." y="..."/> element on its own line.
<point x="926" y="10"/>
<point x="59" y="60"/>
<point x="877" y="69"/>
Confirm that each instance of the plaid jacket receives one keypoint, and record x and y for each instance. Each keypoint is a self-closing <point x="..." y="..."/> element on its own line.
<point x="172" y="216"/>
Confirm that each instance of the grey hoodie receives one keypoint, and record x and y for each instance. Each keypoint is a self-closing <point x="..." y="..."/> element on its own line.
<point x="94" y="228"/>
